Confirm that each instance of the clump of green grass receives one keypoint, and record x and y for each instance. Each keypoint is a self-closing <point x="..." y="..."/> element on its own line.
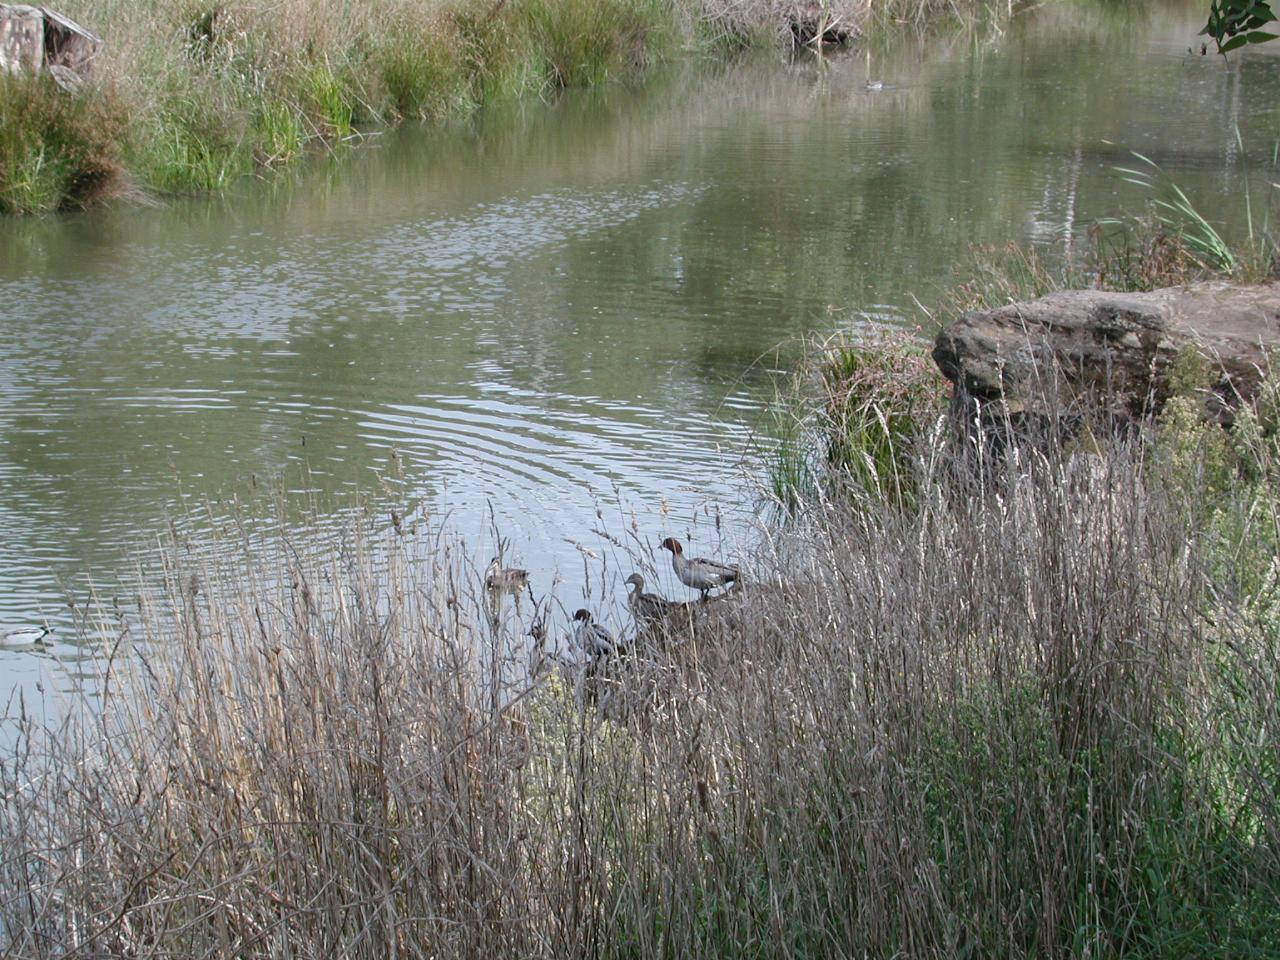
<point x="58" y="150"/>
<point x="280" y="136"/>
<point x="196" y="140"/>
<point x="586" y="42"/>
<point x="790" y="452"/>
<point x="1178" y="243"/>
<point x="499" y="63"/>
<point x="425" y="79"/>
<point x="881" y="398"/>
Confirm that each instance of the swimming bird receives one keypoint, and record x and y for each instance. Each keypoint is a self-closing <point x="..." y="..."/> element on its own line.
<point x="875" y="84"/>
<point x="25" y="637"/>
<point x="502" y="579"/>
<point x="699" y="573"/>
<point x="594" y="638"/>
<point x="646" y="607"/>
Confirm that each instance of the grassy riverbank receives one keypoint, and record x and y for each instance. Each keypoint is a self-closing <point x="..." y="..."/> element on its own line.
<point x="191" y="96"/>
<point x="1032" y="713"/>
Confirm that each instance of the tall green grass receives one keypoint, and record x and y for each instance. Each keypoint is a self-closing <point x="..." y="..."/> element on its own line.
<point x="586" y="42"/>
<point x="204" y="93"/>
<point x="57" y="150"/>
<point x="853" y="420"/>
<point x="1186" y="242"/>
<point x="198" y="93"/>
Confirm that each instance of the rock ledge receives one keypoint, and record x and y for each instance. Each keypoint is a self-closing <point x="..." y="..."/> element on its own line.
<point x="1114" y="348"/>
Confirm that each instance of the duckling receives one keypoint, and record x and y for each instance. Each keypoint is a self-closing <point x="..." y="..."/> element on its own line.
<point x="25" y="637"/>
<point x="502" y="579"/>
<point x="594" y="638"/>
<point x="701" y="574"/>
<point x="646" y="607"/>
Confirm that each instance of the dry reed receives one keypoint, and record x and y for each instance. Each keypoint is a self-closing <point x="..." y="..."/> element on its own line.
<point x="1033" y="714"/>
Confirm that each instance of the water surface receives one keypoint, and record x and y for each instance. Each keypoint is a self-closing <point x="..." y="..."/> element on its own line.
<point x="566" y="307"/>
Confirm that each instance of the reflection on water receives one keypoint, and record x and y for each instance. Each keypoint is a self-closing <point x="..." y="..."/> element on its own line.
<point x="567" y="305"/>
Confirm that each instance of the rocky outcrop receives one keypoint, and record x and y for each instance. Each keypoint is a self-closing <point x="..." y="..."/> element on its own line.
<point x="37" y="39"/>
<point x="1115" y="349"/>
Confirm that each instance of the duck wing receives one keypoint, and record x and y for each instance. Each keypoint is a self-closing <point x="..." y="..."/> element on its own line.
<point x="650" y="606"/>
<point x="714" y="570"/>
<point x="603" y="643"/>
<point x="24" y="637"/>
<point x="508" y="578"/>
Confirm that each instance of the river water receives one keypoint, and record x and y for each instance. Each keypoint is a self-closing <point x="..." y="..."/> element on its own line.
<point x="559" y="308"/>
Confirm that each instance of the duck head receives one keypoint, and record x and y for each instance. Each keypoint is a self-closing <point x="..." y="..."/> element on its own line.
<point x="672" y="544"/>
<point x="583" y="615"/>
<point x="636" y="581"/>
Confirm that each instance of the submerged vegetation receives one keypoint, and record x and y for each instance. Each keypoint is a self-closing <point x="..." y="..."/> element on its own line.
<point x="191" y="96"/>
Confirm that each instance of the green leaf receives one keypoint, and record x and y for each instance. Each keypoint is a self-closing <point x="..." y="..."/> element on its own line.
<point x="1259" y="36"/>
<point x="1232" y="44"/>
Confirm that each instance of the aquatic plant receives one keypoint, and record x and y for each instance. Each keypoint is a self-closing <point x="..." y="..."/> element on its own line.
<point x="1234" y="23"/>
<point x="1186" y="241"/>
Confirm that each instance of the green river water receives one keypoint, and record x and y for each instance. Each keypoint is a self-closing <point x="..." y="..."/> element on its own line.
<point x="568" y="306"/>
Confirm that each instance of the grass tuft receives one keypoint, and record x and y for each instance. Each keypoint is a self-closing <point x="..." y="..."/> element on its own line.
<point x="58" y="151"/>
<point x="882" y="397"/>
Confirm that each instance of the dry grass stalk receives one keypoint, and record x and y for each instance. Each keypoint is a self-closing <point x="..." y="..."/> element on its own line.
<point x="997" y="722"/>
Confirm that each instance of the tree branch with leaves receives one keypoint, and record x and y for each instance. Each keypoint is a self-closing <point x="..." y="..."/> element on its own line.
<point x="1233" y="23"/>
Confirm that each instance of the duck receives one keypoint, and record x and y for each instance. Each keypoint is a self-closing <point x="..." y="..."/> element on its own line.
<point x="875" y="85"/>
<point x="502" y="579"/>
<point x="646" y="607"/>
<point x="700" y="574"/>
<point x="25" y="637"/>
<point x="595" y="638"/>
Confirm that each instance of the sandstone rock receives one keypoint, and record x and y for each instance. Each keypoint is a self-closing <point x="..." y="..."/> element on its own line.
<point x="1114" y="348"/>
<point x="21" y="39"/>
<point x="33" y="39"/>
